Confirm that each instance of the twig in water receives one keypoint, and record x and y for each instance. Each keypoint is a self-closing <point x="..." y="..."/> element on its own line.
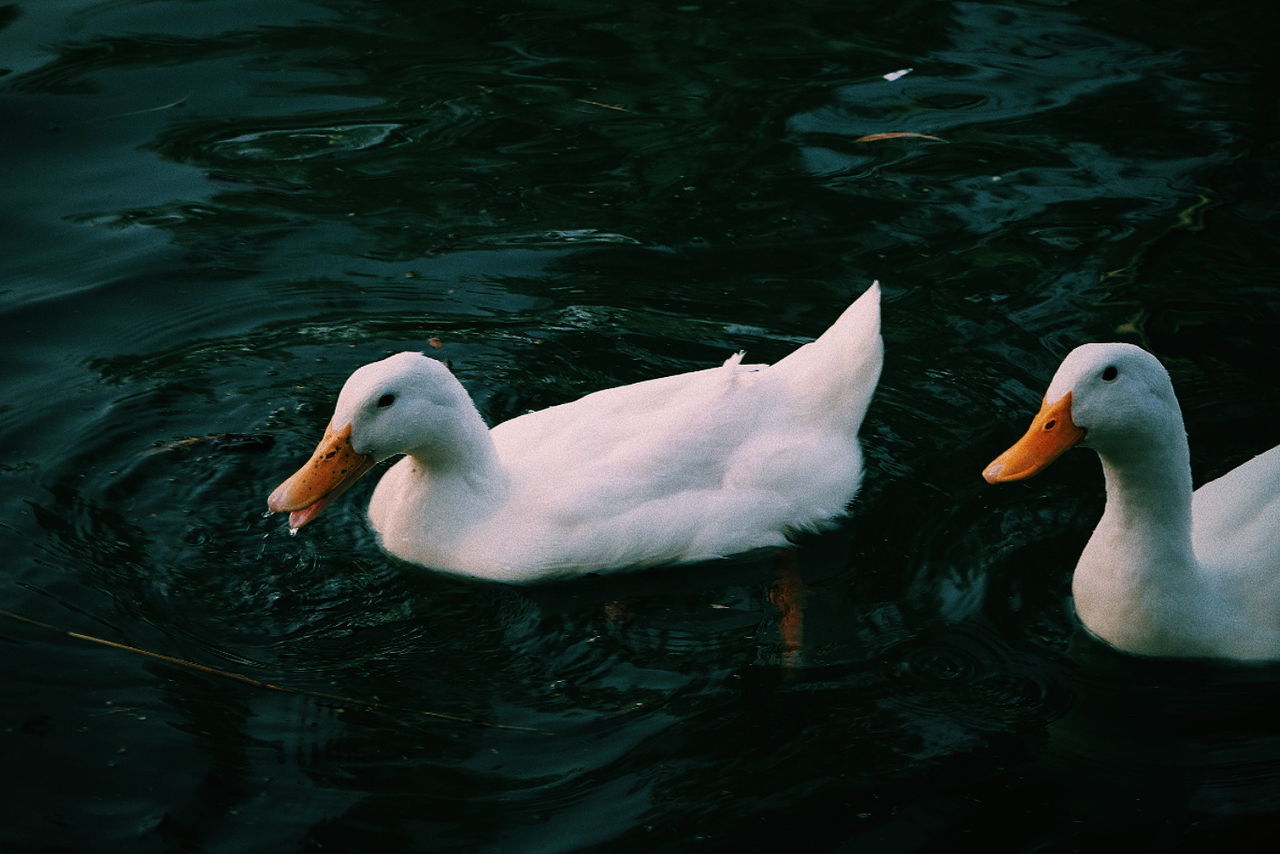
<point x="258" y="683"/>
<point x="169" y="106"/>
<point x="604" y="105"/>
<point x="876" y="137"/>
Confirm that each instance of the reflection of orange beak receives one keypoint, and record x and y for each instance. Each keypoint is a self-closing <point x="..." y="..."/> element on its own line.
<point x="1052" y="432"/>
<point x="332" y="469"/>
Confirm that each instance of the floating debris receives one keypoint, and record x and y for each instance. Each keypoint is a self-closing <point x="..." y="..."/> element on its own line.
<point x="169" y="106"/>
<point x="605" y="106"/>
<point x="372" y="703"/>
<point x="221" y="442"/>
<point x="876" y="137"/>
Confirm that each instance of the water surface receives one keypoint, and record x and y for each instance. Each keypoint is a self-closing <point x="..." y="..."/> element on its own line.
<point x="214" y="211"/>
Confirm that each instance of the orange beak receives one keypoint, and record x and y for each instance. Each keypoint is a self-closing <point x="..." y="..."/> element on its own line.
<point x="331" y="471"/>
<point x="1052" y="433"/>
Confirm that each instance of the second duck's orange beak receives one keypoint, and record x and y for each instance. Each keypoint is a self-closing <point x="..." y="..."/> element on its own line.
<point x="331" y="471"/>
<point x="1052" y="433"/>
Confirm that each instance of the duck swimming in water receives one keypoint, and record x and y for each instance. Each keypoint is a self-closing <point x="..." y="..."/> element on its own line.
<point x="1168" y="571"/>
<point x="673" y="470"/>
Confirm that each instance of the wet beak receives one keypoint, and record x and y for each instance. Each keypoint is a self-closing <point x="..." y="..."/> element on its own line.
<point x="331" y="471"/>
<point x="1052" y="433"/>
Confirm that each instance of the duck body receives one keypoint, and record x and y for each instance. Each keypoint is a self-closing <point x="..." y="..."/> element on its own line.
<point x="1202" y="590"/>
<point x="672" y="470"/>
<point x="1168" y="571"/>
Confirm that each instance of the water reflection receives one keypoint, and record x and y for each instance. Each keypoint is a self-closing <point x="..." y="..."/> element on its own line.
<point x="1149" y="736"/>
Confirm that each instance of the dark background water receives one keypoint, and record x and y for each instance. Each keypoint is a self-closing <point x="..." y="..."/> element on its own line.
<point x="214" y="211"/>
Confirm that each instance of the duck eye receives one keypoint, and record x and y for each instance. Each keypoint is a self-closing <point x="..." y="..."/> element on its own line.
<point x="386" y="400"/>
<point x="1109" y="373"/>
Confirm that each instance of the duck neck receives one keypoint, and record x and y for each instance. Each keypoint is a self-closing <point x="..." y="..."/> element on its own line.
<point x="460" y="457"/>
<point x="1140" y="551"/>
<point x="1136" y="584"/>
<point x="1149" y="493"/>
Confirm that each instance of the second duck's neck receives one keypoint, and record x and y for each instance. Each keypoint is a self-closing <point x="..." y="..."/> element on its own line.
<point x="1149" y="489"/>
<point x="1137" y="584"/>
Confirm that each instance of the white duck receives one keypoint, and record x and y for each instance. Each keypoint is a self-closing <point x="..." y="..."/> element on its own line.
<point x="673" y="470"/>
<point x="1167" y="572"/>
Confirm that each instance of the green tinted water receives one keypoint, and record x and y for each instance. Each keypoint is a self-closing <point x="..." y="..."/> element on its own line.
<point x="214" y="211"/>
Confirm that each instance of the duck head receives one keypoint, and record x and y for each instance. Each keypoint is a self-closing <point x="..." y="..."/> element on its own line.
<point x="1107" y="397"/>
<point x="406" y="403"/>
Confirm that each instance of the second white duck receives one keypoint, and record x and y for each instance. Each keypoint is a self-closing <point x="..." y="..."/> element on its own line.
<point x="1168" y="571"/>
<point x="673" y="470"/>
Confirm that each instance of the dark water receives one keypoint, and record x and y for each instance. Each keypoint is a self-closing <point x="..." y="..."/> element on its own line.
<point x="214" y="211"/>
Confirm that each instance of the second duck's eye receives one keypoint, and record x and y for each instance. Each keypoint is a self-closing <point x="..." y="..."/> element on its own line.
<point x="386" y="400"/>
<point x="1109" y="373"/>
